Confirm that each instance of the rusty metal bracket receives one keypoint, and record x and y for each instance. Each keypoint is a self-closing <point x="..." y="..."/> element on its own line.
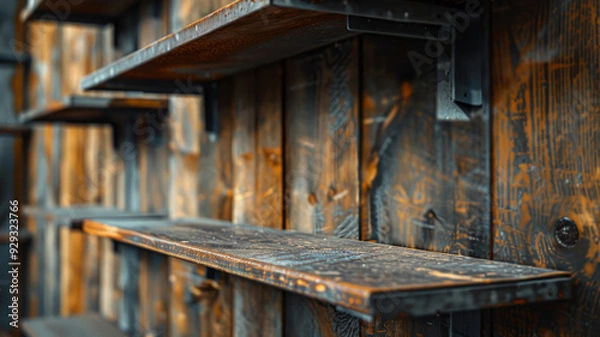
<point x="456" y="45"/>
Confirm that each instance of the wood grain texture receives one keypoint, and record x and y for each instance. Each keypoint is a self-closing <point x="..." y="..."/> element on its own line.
<point x="321" y="162"/>
<point x="90" y="325"/>
<point x="128" y="307"/>
<point x="200" y="306"/>
<point x="425" y="183"/>
<point x="257" y="308"/>
<point x="546" y="110"/>
<point x="72" y="284"/>
<point x="360" y="276"/>
<point x="109" y="267"/>
<point x="153" y="294"/>
<point x="211" y="48"/>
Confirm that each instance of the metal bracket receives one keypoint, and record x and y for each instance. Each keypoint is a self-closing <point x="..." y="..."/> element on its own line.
<point x="211" y="110"/>
<point x="459" y="65"/>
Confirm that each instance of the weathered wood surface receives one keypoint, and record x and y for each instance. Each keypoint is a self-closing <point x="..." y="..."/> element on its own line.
<point x="257" y="182"/>
<point x="211" y="48"/>
<point x="321" y="165"/>
<point x="546" y="119"/>
<point x="88" y="11"/>
<point x="351" y="274"/>
<point x="87" y="325"/>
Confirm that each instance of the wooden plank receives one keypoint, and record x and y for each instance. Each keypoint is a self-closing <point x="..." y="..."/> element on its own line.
<point x="109" y="264"/>
<point x="257" y="308"/>
<point x="546" y="127"/>
<point x="71" y="272"/>
<point x="322" y="141"/>
<point x="315" y="266"/>
<point x="200" y="306"/>
<point x="85" y="109"/>
<point x="153" y="294"/>
<point x="90" y="325"/>
<point x="321" y="163"/>
<point x="128" y="305"/>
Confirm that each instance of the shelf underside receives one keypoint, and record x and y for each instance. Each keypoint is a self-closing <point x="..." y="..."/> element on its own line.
<point x="360" y="277"/>
<point x="81" y="11"/>
<point x="89" y="325"/>
<point x="95" y="109"/>
<point x="242" y="36"/>
<point x="13" y="130"/>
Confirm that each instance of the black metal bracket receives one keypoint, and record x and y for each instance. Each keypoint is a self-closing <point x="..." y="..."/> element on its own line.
<point x="455" y="38"/>
<point x="211" y="109"/>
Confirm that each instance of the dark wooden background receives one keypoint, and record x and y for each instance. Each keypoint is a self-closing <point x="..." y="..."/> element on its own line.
<point x="340" y="141"/>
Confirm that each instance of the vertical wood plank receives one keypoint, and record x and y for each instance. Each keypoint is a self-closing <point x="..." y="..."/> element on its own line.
<point x="153" y="294"/>
<point x="546" y="127"/>
<point x="256" y="146"/>
<point x="71" y="271"/>
<point x="322" y="186"/>
<point x="128" y="305"/>
<point x="110" y="265"/>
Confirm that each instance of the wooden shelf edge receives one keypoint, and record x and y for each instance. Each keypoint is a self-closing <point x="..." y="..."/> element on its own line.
<point x="94" y="109"/>
<point x="362" y="299"/>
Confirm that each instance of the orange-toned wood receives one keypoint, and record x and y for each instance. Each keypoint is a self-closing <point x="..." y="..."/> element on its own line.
<point x="546" y="154"/>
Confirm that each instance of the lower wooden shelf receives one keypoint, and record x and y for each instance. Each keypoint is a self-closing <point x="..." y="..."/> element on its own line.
<point x="360" y="278"/>
<point x="86" y="109"/>
<point x="90" y="325"/>
<point x="73" y="216"/>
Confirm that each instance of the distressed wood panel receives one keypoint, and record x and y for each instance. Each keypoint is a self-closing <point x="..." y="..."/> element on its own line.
<point x="321" y="166"/>
<point x="257" y="308"/>
<point x="153" y="292"/>
<point x="200" y="305"/>
<point x="109" y="267"/>
<point x="71" y="271"/>
<point x="546" y="159"/>
<point x="128" y="307"/>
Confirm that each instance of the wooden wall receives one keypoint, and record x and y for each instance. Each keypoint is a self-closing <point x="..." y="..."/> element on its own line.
<point x="546" y="155"/>
<point x="344" y="141"/>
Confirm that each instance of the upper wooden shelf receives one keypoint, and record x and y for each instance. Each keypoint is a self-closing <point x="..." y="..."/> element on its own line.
<point x="80" y="11"/>
<point x="94" y="109"/>
<point x="242" y="36"/>
<point x="361" y="278"/>
<point x="13" y="130"/>
<point x="73" y="216"/>
<point x="89" y="325"/>
<point x="10" y="57"/>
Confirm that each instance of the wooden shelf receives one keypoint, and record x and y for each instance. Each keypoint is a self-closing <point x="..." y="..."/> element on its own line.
<point x="9" y="57"/>
<point x="95" y="109"/>
<point x="13" y="130"/>
<point x="90" y="325"/>
<point x="242" y="36"/>
<point x="361" y="278"/>
<point x="73" y="216"/>
<point x="81" y="11"/>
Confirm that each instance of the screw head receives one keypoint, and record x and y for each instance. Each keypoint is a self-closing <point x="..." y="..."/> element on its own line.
<point x="566" y="232"/>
